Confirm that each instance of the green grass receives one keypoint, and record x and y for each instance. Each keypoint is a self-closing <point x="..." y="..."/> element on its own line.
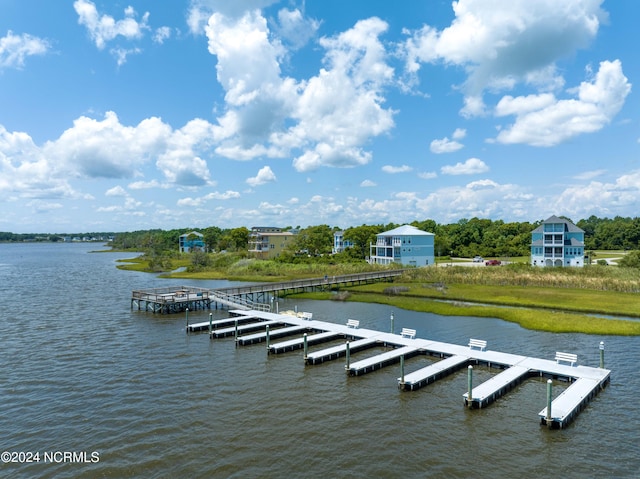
<point x="529" y="318"/>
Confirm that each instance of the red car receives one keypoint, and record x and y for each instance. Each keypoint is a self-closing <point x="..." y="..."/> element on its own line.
<point x="493" y="262"/>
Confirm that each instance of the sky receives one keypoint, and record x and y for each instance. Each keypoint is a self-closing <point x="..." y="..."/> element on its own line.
<point x="122" y="116"/>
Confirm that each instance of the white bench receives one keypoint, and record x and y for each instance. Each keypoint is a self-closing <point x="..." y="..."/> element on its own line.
<point x="478" y="343"/>
<point x="353" y="323"/>
<point x="306" y="316"/>
<point x="567" y="357"/>
<point x="408" y="333"/>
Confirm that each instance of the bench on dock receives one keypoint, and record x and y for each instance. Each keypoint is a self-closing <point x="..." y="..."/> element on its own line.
<point x="478" y="343"/>
<point x="567" y="357"/>
<point x="408" y="333"/>
<point x="307" y="316"/>
<point x="353" y="323"/>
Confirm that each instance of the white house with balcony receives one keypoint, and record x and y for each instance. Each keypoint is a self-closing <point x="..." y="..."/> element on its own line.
<point x="339" y="243"/>
<point x="557" y="242"/>
<point x="406" y="245"/>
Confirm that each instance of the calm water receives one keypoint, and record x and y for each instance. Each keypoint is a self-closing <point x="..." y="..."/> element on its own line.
<point x="81" y="372"/>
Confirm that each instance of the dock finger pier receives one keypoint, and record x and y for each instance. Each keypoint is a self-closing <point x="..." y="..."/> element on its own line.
<point x="290" y="330"/>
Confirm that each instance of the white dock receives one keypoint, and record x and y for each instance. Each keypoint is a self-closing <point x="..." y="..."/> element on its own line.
<point x="381" y="360"/>
<point x="273" y="333"/>
<point x="570" y="402"/>
<point x="218" y="323"/>
<point x="587" y="381"/>
<point x="495" y="387"/>
<point x="432" y="373"/>
<point x="298" y="343"/>
<point x="340" y="350"/>
<point x="243" y="328"/>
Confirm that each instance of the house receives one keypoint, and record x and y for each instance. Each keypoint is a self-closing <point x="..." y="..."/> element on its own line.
<point x="557" y="242"/>
<point x="339" y="243"/>
<point x="406" y="245"/>
<point x="267" y="242"/>
<point x="193" y="241"/>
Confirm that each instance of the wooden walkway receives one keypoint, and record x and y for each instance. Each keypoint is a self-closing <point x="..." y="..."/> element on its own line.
<point x="586" y="381"/>
<point x="176" y="299"/>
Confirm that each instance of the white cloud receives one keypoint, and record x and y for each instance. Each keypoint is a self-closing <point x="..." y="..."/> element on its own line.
<point x="265" y="175"/>
<point x="161" y="34"/>
<point x="294" y="29"/>
<point x="14" y="49"/>
<point x="396" y="169"/>
<point x="227" y="195"/>
<point x="322" y="121"/>
<point x="200" y="11"/>
<point x="470" y="167"/>
<point x="368" y="183"/>
<point x="589" y="175"/>
<point x="544" y="121"/>
<point x="445" y="145"/>
<point x="428" y="175"/>
<point x="116" y="191"/>
<point x="104" y="28"/>
<point x="501" y="44"/>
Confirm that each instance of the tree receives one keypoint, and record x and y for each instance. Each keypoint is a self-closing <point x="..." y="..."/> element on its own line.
<point x="317" y="240"/>
<point x="362" y="237"/>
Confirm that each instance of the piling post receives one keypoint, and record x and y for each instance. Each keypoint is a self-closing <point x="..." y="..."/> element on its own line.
<point x="401" y="371"/>
<point x="601" y="354"/>
<point x="267" y="338"/>
<point x="470" y="386"/>
<point x="348" y="354"/>
<point x="210" y="325"/>
<point x="391" y="322"/>
<point x="549" y="396"/>
<point x="187" y="314"/>
<point x="306" y="347"/>
<point x="236" y="332"/>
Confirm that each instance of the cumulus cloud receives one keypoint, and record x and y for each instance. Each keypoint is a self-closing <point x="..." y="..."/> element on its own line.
<point x="200" y="11"/>
<point x="265" y="175"/>
<point x="216" y="195"/>
<point x="104" y="28"/>
<point x="116" y="191"/>
<point x="470" y="167"/>
<point x="14" y="49"/>
<point x="368" y="183"/>
<point x="161" y="34"/>
<point x="396" y="169"/>
<point x="445" y="145"/>
<point x="322" y="121"/>
<point x="502" y="44"/>
<point x="543" y="120"/>
<point x="295" y="29"/>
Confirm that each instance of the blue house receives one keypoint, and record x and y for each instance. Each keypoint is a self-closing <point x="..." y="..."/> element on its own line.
<point x="406" y="245"/>
<point x="339" y="243"/>
<point x="193" y="241"/>
<point x="557" y="242"/>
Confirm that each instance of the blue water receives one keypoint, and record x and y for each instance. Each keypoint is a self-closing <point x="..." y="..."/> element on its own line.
<point x="83" y="373"/>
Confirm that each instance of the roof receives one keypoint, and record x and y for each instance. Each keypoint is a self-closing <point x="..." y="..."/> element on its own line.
<point x="405" y="230"/>
<point x="192" y="233"/>
<point x="571" y="228"/>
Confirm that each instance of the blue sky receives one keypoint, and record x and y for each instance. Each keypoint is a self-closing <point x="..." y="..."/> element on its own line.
<point x="120" y="116"/>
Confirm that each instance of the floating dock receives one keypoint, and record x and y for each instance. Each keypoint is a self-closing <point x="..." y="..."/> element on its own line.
<point x="585" y="381"/>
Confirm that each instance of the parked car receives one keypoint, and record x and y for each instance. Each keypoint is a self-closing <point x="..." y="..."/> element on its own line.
<point x="493" y="262"/>
<point x="478" y="259"/>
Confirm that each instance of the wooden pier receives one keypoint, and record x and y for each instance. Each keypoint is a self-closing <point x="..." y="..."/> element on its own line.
<point x="585" y="381"/>
<point x="177" y="299"/>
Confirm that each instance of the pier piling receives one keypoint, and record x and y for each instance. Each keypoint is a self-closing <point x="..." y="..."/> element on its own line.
<point x="306" y="347"/>
<point x="601" y="354"/>
<point x="549" y="396"/>
<point x="348" y="356"/>
<point x="401" y="369"/>
<point x="470" y="386"/>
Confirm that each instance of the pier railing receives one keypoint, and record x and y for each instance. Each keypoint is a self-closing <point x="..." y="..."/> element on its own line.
<point x="312" y="283"/>
<point x="238" y="302"/>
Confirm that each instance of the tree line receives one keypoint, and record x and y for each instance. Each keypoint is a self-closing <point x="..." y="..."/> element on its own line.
<point x="465" y="238"/>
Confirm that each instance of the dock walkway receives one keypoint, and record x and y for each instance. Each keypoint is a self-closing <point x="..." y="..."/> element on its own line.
<point x="586" y="381"/>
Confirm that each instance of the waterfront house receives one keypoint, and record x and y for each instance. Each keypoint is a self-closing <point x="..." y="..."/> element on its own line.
<point x="557" y="242"/>
<point x="339" y="243"/>
<point x="406" y="245"/>
<point x="193" y="241"/>
<point x="267" y="242"/>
